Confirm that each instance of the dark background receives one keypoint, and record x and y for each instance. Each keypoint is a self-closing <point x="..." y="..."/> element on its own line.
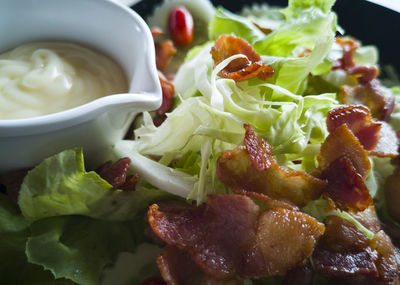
<point x="368" y="22"/>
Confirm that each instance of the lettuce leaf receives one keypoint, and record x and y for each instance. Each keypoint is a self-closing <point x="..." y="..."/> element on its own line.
<point x="61" y="186"/>
<point x="14" y="266"/>
<point x="78" y="248"/>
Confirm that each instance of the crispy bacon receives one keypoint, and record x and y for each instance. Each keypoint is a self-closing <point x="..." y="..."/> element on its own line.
<point x="168" y="92"/>
<point x="276" y="249"/>
<point x="342" y="142"/>
<point x="371" y="95"/>
<point x="116" y="174"/>
<point x="258" y="149"/>
<point x="177" y="268"/>
<point x="345" y="263"/>
<point x="358" y="119"/>
<point x="242" y="68"/>
<point x="228" y="236"/>
<point x="214" y="233"/>
<point x="253" y="169"/>
<point x="345" y="164"/>
<point x="165" y="51"/>
<point x="368" y="92"/>
<point x="364" y="73"/>
<point x="386" y="261"/>
<point x="344" y="251"/>
<point x="345" y="186"/>
<point x="376" y="136"/>
<point x="349" y="46"/>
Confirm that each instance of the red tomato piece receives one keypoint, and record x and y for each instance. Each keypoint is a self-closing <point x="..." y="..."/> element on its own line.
<point x="181" y="26"/>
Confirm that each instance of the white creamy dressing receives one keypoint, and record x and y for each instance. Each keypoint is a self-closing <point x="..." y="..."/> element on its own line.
<point x="47" y="77"/>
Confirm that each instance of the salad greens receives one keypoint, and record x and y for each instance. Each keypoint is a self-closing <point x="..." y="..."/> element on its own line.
<point x="71" y="224"/>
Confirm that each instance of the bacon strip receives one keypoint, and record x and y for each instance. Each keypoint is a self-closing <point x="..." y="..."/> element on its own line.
<point x="253" y="170"/>
<point x="228" y="236"/>
<point x="344" y="251"/>
<point x="376" y="136"/>
<point x="214" y="233"/>
<point x="165" y="51"/>
<point x="116" y="174"/>
<point x="168" y="92"/>
<point x="349" y="46"/>
<point x="341" y="142"/>
<point x="177" y="268"/>
<point x="368" y="92"/>
<point x="284" y="238"/>
<point x="345" y="186"/>
<point x="371" y="95"/>
<point x="358" y="119"/>
<point x="345" y="164"/>
<point x="239" y="69"/>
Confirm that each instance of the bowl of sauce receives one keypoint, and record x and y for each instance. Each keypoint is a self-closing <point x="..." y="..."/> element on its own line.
<point x="73" y="73"/>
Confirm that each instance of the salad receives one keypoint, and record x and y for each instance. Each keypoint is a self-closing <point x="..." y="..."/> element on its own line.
<point x="272" y="160"/>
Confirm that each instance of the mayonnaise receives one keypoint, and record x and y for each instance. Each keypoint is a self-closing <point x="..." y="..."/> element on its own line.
<point x="47" y="77"/>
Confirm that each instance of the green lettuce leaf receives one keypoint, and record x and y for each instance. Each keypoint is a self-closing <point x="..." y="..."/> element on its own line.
<point x="61" y="186"/>
<point x="14" y="266"/>
<point x="78" y="248"/>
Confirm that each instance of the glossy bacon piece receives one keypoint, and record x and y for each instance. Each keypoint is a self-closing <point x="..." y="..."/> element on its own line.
<point x="358" y="119"/>
<point x="344" y="251"/>
<point x="116" y="174"/>
<point x="345" y="263"/>
<point x="214" y="234"/>
<point x="165" y="51"/>
<point x="284" y="239"/>
<point x="376" y="136"/>
<point x="345" y="164"/>
<point x="177" y="268"/>
<point x="239" y="69"/>
<point x="345" y="186"/>
<point x="342" y="142"/>
<point x="349" y="46"/>
<point x="258" y="149"/>
<point x="364" y="73"/>
<point x="370" y="95"/>
<point x="386" y="262"/>
<point x="228" y="236"/>
<point x="253" y="169"/>
<point x="168" y="92"/>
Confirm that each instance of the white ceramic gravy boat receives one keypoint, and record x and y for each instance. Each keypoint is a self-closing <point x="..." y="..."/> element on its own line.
<point x="105" y="25"/>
